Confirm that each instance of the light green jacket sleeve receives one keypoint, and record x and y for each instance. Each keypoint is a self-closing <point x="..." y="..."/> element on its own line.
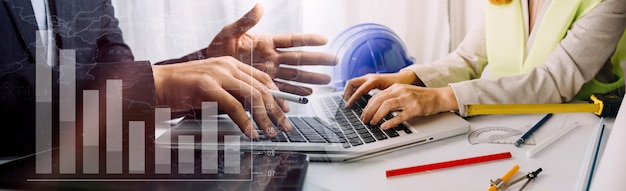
<point x="577" y="59"/>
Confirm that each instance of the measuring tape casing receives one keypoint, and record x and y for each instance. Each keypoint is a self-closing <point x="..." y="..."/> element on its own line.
<point x="609" y="104"/>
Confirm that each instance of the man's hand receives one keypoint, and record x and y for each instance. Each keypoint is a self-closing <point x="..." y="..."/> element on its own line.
<point x="261" y="51"/>
<point x="235" y="87"/>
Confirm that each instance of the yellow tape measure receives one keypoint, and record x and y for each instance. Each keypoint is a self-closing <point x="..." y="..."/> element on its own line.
<point x="601" y="105"/>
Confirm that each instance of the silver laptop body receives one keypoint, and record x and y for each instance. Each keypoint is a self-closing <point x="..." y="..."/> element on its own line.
<point x="327" y="132"/>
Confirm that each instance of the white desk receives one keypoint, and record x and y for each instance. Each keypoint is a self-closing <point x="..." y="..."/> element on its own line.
<point x="565" y="163"/>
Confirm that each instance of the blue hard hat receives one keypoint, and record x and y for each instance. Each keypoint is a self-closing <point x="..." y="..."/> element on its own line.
<point x="367" y="48"/>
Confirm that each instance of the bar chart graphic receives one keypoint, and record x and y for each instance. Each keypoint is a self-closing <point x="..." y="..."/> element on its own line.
<point x="96" y="142"/>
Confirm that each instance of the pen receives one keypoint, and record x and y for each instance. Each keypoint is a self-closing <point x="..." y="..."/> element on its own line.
<point x="532" y="130"/>
<point x="289" y="97"/>
<point x="447" y="164"/>
<point x="595" y="161"/>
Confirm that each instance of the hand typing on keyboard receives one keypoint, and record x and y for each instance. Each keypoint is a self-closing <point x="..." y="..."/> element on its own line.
<point x="401" y="92"/>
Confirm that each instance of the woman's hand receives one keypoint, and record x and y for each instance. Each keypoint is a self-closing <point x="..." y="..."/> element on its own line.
<point x="261" y="51"/>
<point x="402" y="92"/>
<point x="409" y="101"/>
<point x="357" y="87"/>
<point x="235" y="86"/>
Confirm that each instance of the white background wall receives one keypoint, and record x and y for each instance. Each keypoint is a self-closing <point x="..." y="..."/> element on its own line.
<point x="463" y="13"/>
<point x="160" y="29"/>
<point x="421" y="24"/>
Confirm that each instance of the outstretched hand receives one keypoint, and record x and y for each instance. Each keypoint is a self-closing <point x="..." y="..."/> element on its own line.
<point x="262" y="52"/>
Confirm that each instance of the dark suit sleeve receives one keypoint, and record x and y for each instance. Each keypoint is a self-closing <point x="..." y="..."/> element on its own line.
<point x="113" y="61"/>
<point x="89" y="28"/>
<point x="93" y="31"/>
<point x="111" y="45"/>
<point x="198" y="55"/>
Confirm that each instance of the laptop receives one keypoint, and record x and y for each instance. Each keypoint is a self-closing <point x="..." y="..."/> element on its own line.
<point x="326" y="131"/>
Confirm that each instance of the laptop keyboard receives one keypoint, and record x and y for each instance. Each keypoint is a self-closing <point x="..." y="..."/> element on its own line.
<point x="345" y="126"/>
